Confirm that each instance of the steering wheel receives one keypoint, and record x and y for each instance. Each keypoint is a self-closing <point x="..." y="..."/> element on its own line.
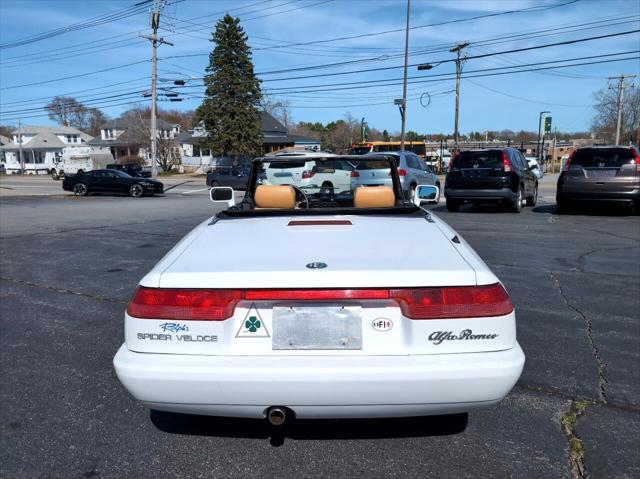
<point x="303" y="194"/>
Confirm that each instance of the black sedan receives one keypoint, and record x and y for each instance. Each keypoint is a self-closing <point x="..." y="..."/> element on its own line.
<point x="234" y="177"/>
<point x="111" y="181"/>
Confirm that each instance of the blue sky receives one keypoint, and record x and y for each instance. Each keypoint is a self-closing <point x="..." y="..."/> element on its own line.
<point x="487" y="103"/>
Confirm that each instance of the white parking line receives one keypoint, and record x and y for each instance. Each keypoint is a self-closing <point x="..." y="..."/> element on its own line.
<point x="193" y="191"/>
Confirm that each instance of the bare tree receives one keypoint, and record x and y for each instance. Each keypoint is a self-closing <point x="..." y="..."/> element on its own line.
<point x="70" y="112"/>
<point x="605" y="121"/>
<point x="279" y="109"/>
<point x="137" y="134"/>
<point x="168" y="155"/>
<point x="6" y="131"/>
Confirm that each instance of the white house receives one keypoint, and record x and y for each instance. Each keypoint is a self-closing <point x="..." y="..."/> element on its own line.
<point x="125" y="137"/>
<point x="275" y="137"/>
<point x="41" y="147"/>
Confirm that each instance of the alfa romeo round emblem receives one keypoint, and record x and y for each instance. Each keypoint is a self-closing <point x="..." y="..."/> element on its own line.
<point x="316" y="265"/>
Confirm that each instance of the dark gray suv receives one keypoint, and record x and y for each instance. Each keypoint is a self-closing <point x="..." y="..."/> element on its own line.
<point x="492" y="175"/>
<point x="600" y="173"/>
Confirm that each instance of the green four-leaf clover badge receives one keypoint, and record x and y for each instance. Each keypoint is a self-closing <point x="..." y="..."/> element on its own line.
<point x="252" y="324"/>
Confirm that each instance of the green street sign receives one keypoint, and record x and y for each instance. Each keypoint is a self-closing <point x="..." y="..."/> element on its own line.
<point x="547" y="124"/>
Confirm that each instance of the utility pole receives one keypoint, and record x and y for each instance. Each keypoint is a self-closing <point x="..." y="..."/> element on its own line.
<point x="621" y="87"/>
<point x="155" y="41"/>
<point x="553" y="151"/>
<point x="20" y="147"/>
<point x="457" y="49"/>
<point x="403" y="107"/>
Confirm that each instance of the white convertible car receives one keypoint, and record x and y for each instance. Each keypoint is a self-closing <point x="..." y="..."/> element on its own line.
<point x="324" y="303"/>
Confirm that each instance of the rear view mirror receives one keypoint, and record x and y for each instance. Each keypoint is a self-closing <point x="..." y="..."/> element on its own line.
<point x="222" y="194"/>
<point x="426" y="194"/>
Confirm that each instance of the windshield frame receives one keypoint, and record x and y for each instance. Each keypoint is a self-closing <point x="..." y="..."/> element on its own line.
<point x="245" y="208"/>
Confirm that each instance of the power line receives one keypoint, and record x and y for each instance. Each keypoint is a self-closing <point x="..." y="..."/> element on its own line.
<point x="74" y="76"/>
<point x="371" y="34"/>
<point x="448" y="22"/>
<point x="472" y="57"/>
<point x="466" y="76"/>
<point x="523" y="98"/>
<point x="66" y="53"/>
<point x="21" y="117"/>
<point x="91" y="22"/>
<point x="432" y="78"/>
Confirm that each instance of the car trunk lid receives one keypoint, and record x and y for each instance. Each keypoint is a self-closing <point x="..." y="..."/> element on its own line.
<point x="360" y="252"/>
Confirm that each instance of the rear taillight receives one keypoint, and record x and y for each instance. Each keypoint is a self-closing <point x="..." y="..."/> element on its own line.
<point x="568" y="162"/>
<point x="402" y="172"/>
<point x="453" y="302"/>
<point x="354" y="174"/>
<point x="306" y="174"/>
<point x="184" y="304"/>
<point x="636" y="156"/>
<point x="415" y="303"/>
<point x="506" y="164"/>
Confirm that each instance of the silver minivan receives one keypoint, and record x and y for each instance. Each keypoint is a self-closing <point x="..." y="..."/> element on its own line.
<point x="412" y="171"/>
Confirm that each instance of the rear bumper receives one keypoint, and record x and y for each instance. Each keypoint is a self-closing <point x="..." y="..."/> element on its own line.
<point x="477" y="194"/>
<point x="577" y="195"/>
<point x="320" y="386"/>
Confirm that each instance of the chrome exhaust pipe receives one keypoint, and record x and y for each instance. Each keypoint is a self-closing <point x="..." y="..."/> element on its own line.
<point x="276" y="415"/>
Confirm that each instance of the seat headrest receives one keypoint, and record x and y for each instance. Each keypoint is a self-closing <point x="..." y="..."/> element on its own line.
<point x="374" y="197"/>
<point x="275" y="196"/>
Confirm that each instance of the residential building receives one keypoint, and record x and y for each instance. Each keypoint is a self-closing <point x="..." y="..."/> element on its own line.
<point x="126" y="137"/>
<point x="275" y="137"/>
<point x="41" y="146"/>
<point x="4" y="141"/>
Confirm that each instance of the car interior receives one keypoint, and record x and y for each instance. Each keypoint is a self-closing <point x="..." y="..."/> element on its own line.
<point x="303" y="187"/>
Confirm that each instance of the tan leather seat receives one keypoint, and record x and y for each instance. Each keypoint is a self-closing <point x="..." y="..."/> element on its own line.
<point x="275" y="196"/>
<point x="374" y="197"/>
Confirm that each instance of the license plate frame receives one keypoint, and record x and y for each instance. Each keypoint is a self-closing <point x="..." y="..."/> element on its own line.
<point x="604" y="173"/>
<point x="317" y="327"/>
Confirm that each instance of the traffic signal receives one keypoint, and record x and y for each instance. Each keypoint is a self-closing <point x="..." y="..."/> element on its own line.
<point x="547" y="124"/>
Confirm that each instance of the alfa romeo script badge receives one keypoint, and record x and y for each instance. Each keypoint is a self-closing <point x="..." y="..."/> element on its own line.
<point x="316" y="265"/>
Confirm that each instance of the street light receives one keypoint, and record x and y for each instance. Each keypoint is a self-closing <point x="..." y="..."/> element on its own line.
<point x="425" y="66"/>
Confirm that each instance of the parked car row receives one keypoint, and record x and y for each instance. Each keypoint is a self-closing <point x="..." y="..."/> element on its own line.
<point x="336" y="174"/>
<point x="503" y="175"/>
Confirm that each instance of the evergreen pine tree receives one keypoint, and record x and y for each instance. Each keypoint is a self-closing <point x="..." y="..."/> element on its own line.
<point x="230" y="111"/>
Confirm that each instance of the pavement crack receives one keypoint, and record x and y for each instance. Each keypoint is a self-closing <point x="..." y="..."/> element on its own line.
<point x="581" y="258"/>
<point x="97" y="297"/>
<point x="601" y="366"/>
<point x="560" y="394"/>
<point x="576" y="447"/>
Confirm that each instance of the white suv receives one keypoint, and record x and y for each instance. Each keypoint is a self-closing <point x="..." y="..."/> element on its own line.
<point x="308" y="174"/>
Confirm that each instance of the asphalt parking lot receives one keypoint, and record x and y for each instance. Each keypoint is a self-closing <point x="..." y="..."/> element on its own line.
<point x="69" y="265"/>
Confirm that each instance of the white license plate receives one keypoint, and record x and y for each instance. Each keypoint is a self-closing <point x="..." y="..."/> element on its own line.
<point x="317" y="327"/>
